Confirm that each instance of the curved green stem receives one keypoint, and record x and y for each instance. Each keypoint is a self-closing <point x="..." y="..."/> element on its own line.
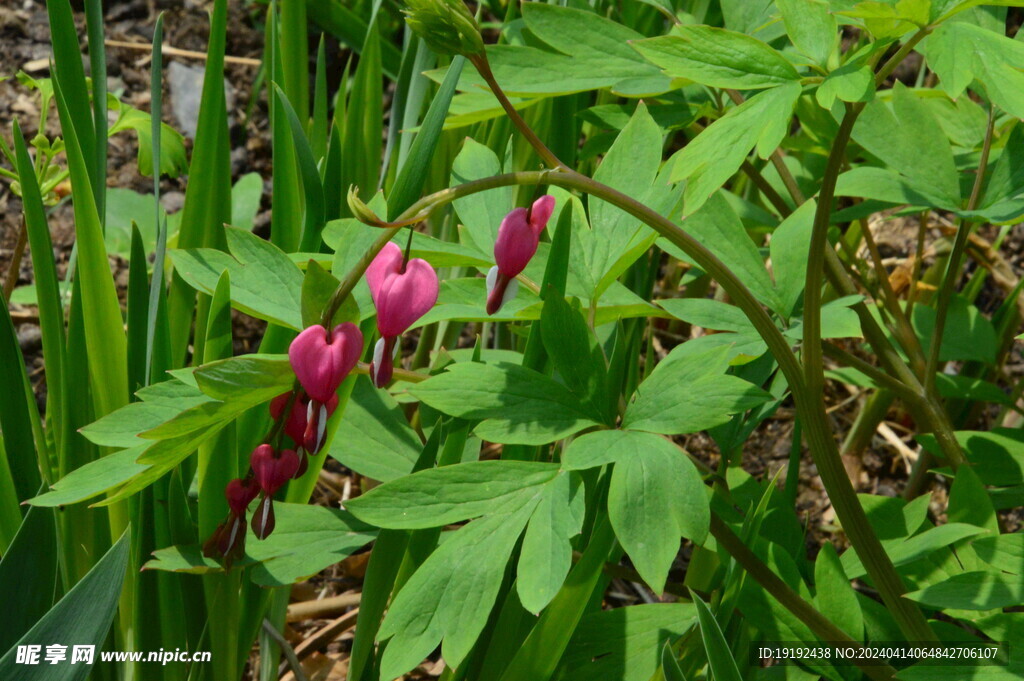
<point x="789" y="599"/>
<point x="956" y="258"/>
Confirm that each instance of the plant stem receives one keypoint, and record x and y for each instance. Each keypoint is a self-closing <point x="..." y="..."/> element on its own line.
<point x="817" y="429"/>
<point x="481" y="64"/>
<point x="789" y="599"/>
<point x="955" y="261"/>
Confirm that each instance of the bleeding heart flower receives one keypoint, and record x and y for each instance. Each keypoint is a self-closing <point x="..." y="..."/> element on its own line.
<point x="321" y="361"/>
<point x="401" y="294"/>
<point x="299" y="421"/>
<point x="240" y="493"/>
<point x="272" y="469"/>
<point x="518" y="237"/>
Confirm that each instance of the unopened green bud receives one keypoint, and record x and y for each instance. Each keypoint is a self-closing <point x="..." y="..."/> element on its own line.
<point x="446" y="25"/>
<point x="361" y="211"/>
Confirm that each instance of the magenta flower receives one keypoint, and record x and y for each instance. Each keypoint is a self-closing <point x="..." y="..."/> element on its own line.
<point x="271" y="471"/>
<point x="402" y="293"/>
<point x="228" y="540"/>
<point x="322" y="360"/>
<point x="306" y="424"/>
<point x="517" y="242"/>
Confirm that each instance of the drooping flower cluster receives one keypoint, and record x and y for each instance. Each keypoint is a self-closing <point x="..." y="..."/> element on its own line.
<point x="516" y="244"/>
<point x="403" y="290"/>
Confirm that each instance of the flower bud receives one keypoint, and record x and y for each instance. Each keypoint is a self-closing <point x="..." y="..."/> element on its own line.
<point x="322" y="361"/>
<point x="518" y="238"/>
<point x="446" y="26"/>
<point x="295" y="426"/>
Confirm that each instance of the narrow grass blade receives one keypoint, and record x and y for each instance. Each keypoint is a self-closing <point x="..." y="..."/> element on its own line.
<point x="51" y="308"/>
<point x="414" y="171"/>
<point x="102" y="311"/>
<point x="138" y="292"/>
<point x="207" y="204"/>
<point x="362" y="147"/>
<point x="349" y="28"/>
<point x="318" y="124"/>
<point x="156" y="284"/>
<point x="538" y="657"/>
<point x="98" y="72"/>
<point x="67" y="57"/>
<point x="313" y="222"/>
<point x="295" y="56"/>
<point x="15" y="421"/>
<point x="720" y="658"/>
<point x="28" y="572"/>
<point x="286" y="192"/>
<point x="83" y="617"/>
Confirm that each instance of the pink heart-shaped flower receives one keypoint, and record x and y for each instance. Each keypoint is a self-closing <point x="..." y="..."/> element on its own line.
<point x="387" y="262"/>
<point x="321" y="364"/>
<point x="404" y="297"/>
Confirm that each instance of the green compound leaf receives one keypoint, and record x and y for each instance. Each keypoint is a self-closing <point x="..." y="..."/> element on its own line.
<point x="717" y="57"/>
<point x="440" y="496"/>
<point x="517" y="405"/>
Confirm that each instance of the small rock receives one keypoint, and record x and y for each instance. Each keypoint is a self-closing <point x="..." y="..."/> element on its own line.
<point x="30" y="338"/>
<point x="185" y="84"/>
<point x="172" y="201"/>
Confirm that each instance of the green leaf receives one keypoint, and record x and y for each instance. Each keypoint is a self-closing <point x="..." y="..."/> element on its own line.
<point x="374" y="438"/>
<point x="851" y="82"/>
<point x="15" y="418"/>
<point x="94" y="478"/>
<point x="575" y="353"/>
<point x="546" y="554"/>
<point x="481" y="213"/>
<point x="265" y="283"/>
<point x="656" y="496"/>
<point x="788" y="248"/>
<point x="811" y="27"/>
<point x="307" y="540"/>
<point x="82" y="617"/>
<point x="834" y="596"/>
<point x="630" y="166"/>
<point x="440" y="496"/>
<point x="972" y="591"/>
<point x="28" y="572"/>
<point x="690" y="395"/>
<point x="173" y="159"/>
<point x="997" y="456"/>
<point x="451" y="595"/>
<point x="906" y="136"/>
<point x="720" y="658"/>
<point x="590" y="52"/>
<point x="313" y="191"/>
<point x="1003" y="552"/>
<point x="518" y="405"/>
<point x="624" y="643"/>
<point x="968" y="335"/>
<point x="719" y="58"/>
<point x="104" y="326"/>
<point x="414" y="171"/>
<point x="716" y="154"/>
<point x="960" y="52"/>
<point x="719" y="229"/>
<point x="902" y="550"/>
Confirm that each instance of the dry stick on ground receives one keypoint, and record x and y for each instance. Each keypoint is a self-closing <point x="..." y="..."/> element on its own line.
<point x="324" y="607"/>
<point x="319" y="639"/>
<point x="175" y="52"/>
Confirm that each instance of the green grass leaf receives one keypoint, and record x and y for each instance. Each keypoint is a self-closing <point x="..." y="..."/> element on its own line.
<point x="29" y="573"/>
<point x="720" y="658"/>
<point x="82" y="617"/>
